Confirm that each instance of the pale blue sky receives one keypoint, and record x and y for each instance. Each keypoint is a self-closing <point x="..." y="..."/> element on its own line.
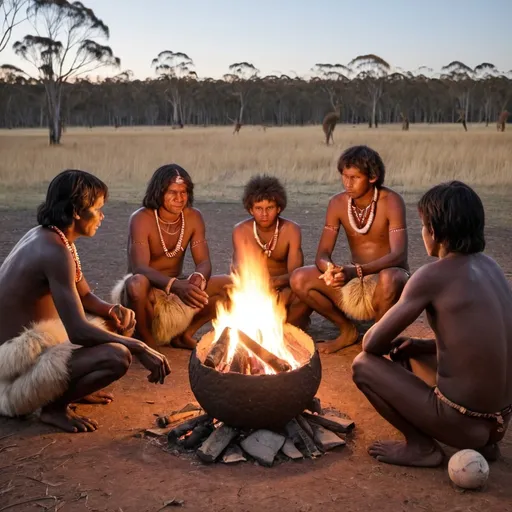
<point x="292" y="35"/>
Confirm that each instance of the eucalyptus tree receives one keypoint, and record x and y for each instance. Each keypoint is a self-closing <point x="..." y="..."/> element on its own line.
<point x="242" y="76"/>
<point x="62" y="49"/>
<point x="12" y="13"/>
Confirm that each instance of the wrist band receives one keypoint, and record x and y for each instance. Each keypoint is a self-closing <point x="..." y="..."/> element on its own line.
<point x="359" y="270"/>
<point x="169" y="285"/>
<point x="111" y="308"/>
<point x="203" y="279"/>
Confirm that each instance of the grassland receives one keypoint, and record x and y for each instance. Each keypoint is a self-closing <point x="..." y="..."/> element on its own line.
<point x="220" y="163"/>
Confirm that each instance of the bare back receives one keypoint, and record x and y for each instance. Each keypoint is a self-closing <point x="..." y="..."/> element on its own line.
<point x="470" y="315"/>
<point x="25" y="295"/>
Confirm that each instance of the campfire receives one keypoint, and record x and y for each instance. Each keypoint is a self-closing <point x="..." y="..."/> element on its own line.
<point x="254" y="377"/>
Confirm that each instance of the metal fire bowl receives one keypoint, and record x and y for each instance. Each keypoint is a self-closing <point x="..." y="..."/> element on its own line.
<point x="255" y="401"/>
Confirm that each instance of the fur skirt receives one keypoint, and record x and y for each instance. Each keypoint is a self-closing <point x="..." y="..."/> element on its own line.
<point x="356" y="297"/>
<point x="34" y="368"/>
<point x="171" y="316"/>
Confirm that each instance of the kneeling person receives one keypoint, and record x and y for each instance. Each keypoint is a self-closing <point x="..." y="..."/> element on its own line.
<point x="278" y="238"/>
<point x="169" y="307"/>
<point x="51" y="353"/>
<point x="457" y="388"/>
<point x="373" y="218"/>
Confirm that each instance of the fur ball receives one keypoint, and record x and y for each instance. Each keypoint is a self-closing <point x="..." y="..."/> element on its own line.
<point x="468" y="469"/>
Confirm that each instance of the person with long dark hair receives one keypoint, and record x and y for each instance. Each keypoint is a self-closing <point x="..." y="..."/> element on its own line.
<point x="169" y="307"/>
<point x="59" y="342"/>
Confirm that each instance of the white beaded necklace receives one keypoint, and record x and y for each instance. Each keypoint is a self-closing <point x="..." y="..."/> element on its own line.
<point x="271" y="244"/>
<point x="178" y="246"/>
<point x="364" y="229"/>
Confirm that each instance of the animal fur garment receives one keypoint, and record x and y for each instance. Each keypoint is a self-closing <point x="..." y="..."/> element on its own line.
<point x="171" y="316"/>
<point x="355" y="298"/>
<point x="34" y="368"/>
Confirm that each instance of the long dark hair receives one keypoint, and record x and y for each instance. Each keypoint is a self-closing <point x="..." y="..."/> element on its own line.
<point x="160" y="181"/>
<point x="455" y="214"/>
<point x="71" y="191"/>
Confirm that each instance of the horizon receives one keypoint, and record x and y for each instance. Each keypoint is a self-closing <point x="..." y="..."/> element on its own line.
<point x="484" y="37"/>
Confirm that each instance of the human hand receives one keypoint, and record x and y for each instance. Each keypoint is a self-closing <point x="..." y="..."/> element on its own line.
<point x="337" y="276"/>
<point x="156" y="363"/>
<point x="190" y="294"/>
<point x="198" y="280"/>
<point x="124" y="319"/>
<point x="402" y="347"/>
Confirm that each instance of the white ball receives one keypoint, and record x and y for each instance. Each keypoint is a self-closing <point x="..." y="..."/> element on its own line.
<point x="468" y="469"/>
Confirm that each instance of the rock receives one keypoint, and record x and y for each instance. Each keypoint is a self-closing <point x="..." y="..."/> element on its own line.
<point x="233" y="454"/>
<point x="216" y="443"/>
<point x="291" y="451"/>
<point x="325" y="439"/>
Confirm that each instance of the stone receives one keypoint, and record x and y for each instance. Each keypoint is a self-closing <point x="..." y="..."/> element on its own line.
<point x="263" y="445"/>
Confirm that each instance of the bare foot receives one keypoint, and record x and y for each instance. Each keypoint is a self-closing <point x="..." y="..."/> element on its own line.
<point x="184" y="341"/>
<point x="100" y="397"/>
<point x="67" y="420"/>
<point x="402" y="454"/>
<point x="348" y="337"/>
<point x="491" y="452"/>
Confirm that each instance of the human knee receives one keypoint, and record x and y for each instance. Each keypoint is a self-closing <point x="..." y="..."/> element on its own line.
<point x="299" y="281"/>
<point x="362" y="367"/>
<point x="137" y="287"/>
<point x="118" y="358"/>
<point x="392" y="281"/>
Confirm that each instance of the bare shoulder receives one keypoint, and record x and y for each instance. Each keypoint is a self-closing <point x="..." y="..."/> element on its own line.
<point x="193" y="215"/>
<point x="243" y="225"/>
<point x="142" y="216"/>
<point x="290" y="227"/>
<point x="392" y="199"/>
<point x="338" y="200"/>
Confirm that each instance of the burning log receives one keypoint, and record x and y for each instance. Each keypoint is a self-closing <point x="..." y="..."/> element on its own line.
<point x="219" y="351"/>
<point x="255" y="366"/>
<point x="331" y="422"/>
<point x="216" y="443"/>
<point x="198" y="435"/>
<point x="240" y="363"/>
<point x="184" y="427"/>
<point x="277" y="364"/>
<point x="301" y="439"/>
<point x="299" y="353"/>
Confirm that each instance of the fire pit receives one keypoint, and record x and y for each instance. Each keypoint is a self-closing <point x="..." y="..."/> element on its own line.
<point x="253" y="370"/>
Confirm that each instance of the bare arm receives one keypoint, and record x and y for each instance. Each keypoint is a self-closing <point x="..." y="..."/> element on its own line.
<point x="329" y="236"/>
<point x="295" y="256"/>
<point x="91" y="302"/>
<point x="139" y="253"/>
<point x="416" y="296"/>
<point x="199" y="248"/>
<point x="59" y="269"/>
<point x="398" y="240"/>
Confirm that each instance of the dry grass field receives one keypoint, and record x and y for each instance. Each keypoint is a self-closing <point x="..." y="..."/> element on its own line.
<point x="220" y="163"/>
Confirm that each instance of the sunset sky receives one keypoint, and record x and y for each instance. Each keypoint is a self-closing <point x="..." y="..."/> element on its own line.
<point x="290" y="36"/>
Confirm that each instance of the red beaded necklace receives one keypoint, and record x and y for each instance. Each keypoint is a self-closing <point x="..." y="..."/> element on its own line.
<point x="72" y="249"/>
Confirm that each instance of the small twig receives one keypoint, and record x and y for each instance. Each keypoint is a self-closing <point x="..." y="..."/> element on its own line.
<point x="9" y="488"/>
<point x="61" y="464"/>
<point x="31" y="500"/>
<point x="37" y="453"/>
<point x="5" y="437"/>
<point x="7" y="447"/>
<point x="42" y="481"/>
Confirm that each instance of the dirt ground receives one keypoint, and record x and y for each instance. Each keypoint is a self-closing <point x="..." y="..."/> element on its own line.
<point x="113" y="469"/>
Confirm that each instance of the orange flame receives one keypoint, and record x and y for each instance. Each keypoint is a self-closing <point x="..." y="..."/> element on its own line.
<point x="253" y="308"/>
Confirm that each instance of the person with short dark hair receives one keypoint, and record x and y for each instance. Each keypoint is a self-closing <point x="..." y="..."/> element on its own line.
<point x="278" y="238"/>
<point x="169" y="307"/>
<point x="60" y="343"/>
<point x="456" y="388"/>
<point x="374" y="221"/>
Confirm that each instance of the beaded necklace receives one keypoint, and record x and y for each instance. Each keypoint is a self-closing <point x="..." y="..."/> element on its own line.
<point x="364" y="217"/>
<point x="72" y="249"/>
<point x="178" y="246"/>
<point x="271" y="244"/>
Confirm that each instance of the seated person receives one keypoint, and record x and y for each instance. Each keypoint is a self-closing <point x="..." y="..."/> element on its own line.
<point x="51" y="353"/>
<point x="456" y="388"/>
<point x="373" y="218"/>
<point x="169" y="307"/>
<point x="278" y="238"/>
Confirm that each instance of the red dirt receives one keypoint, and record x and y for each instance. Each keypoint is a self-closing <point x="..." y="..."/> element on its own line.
<point x="113" y="470"/>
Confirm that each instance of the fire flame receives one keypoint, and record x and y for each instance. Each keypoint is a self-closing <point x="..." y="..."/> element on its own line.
<point x="253" y="308"/>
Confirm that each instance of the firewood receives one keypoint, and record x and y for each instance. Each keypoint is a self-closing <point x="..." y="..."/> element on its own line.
<point x="301" y="439"/>
<point x="325" y="439"/>
<point x="177" y="417"/>
<point x="255" y="365"/>
<point x="216" y="443"/>
<point x="198" y="435"/>
<point x="301" y="354"/>
<point x="190" y="424"/>
<point x="239" y="361"/>
<point x="304" y="425"/>
<point x="331" y="422"/>
<point x="219" y="350"/>
<point x="277" y="364"/>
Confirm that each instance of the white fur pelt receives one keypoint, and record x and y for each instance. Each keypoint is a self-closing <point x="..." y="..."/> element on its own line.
<point x="171" y="316"/>
<point x="356" y="297"/>
<point x="34" y="368"/>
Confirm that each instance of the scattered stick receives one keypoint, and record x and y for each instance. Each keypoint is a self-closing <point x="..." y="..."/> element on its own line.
<point x="37" y="453"/>
<point x="7" y="447"/>
<point x="31" y="500"/>
<point x="277" y="364"/>
<point x="8" y="488"/>
<point x="42" y="481"/>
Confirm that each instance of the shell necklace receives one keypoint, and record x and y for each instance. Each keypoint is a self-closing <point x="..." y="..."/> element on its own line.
<point x="178" y="246"/>
<point x="72" y="249"/>
<point x="363" y="218"/>
<point x="271" y="244"/>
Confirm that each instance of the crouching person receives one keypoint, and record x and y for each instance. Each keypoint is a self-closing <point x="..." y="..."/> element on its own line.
<point x="169" y="307"/>
<point x="51" y="353"/>
<point x="457" y="388"/>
